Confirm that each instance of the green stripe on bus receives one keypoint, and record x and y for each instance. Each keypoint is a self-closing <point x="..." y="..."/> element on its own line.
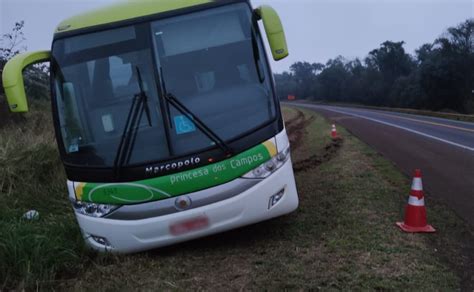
<point x="175" y="184"/>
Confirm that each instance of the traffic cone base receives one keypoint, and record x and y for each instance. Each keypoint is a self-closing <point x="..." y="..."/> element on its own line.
<point x="411" y="229"/>
<point x="415" y="217"/>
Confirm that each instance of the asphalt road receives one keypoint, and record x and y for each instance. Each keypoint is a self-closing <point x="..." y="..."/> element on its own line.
<point x="443" y="149"/>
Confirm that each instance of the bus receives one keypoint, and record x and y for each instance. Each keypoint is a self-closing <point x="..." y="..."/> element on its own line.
<point x="166" y="119"/>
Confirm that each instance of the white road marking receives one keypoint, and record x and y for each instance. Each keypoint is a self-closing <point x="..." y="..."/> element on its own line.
<point x="427" y="122"/>
<point x="396" y="126"/>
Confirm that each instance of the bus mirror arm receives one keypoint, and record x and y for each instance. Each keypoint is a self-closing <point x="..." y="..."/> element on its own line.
<point x="274" y="30"/>
<point x="12" y="78"/>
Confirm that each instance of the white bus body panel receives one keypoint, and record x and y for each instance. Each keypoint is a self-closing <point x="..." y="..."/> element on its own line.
<point x="251" y="206"/>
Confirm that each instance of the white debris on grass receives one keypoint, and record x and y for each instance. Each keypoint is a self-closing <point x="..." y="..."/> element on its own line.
<point x="31" y="215"/>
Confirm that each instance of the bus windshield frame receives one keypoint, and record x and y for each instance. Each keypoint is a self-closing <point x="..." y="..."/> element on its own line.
<point x="213" y="61"/>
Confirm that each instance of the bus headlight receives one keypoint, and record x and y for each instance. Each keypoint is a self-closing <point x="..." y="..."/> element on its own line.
<point x="269" y="167"/>
<point x="93" y="209"/>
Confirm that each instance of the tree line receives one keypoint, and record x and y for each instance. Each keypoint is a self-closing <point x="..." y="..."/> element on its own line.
<point x="439" y="76"/>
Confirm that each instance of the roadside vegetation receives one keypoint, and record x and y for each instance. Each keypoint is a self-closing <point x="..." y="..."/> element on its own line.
<point x="32" y="177"/>
<point x="342" y="236"/>
<point x="439" y="77"/>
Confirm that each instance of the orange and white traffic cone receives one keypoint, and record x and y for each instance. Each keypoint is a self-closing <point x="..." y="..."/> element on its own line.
<point x="415" y="211"/>
<point x="333" y="132"/>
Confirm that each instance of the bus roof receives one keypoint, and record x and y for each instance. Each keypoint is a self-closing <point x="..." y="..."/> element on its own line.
<point x="124" y="10"/>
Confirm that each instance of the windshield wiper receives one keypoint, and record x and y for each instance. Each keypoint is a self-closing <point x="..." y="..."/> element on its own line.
<point x="129" y="135"/>
<point x="171" y="99"/>
<point x="199" y="123"/>
<point x="167" y="106"/>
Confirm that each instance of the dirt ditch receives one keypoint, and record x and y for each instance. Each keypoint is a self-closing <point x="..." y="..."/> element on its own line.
<point x="297" y="129"/>
<point x="329" y="152"/>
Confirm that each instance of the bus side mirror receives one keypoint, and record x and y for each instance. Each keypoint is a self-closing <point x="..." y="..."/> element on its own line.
<point x="274" y="29"/>
<point x="13" y="78"/>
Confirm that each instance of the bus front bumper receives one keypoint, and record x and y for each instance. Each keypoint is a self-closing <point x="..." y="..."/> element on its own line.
<point x="251" y="206"/>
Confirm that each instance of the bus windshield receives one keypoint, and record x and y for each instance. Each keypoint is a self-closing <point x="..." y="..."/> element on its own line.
<point x="212" y="62"/>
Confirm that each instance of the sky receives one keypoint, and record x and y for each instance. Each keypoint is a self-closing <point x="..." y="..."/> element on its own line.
<point x="316" y="30"/>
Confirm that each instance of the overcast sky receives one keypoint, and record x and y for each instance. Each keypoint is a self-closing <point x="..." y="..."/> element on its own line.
<point x="316" y="29"/>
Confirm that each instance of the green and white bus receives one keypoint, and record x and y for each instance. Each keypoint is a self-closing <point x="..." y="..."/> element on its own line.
<point x="166" y="119"/>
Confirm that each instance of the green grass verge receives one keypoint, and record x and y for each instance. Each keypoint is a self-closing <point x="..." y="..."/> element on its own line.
<point x="32" y="177"/>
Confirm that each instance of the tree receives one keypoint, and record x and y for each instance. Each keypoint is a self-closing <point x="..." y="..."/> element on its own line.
<point x="446" y="71"/>
<point x="285" y="85"/>
<point x="423" y="53"/>
<point x="10" y="45"/>
<point x="332" y="79"/>
<point x="391" y="60"/>
<point x="11" y="42"/>
<point x="36" y="77"/>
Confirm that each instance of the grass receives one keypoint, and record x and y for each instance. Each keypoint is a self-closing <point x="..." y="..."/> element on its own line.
<point x="342" y="236"/>
<point x="31" y="177"/>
